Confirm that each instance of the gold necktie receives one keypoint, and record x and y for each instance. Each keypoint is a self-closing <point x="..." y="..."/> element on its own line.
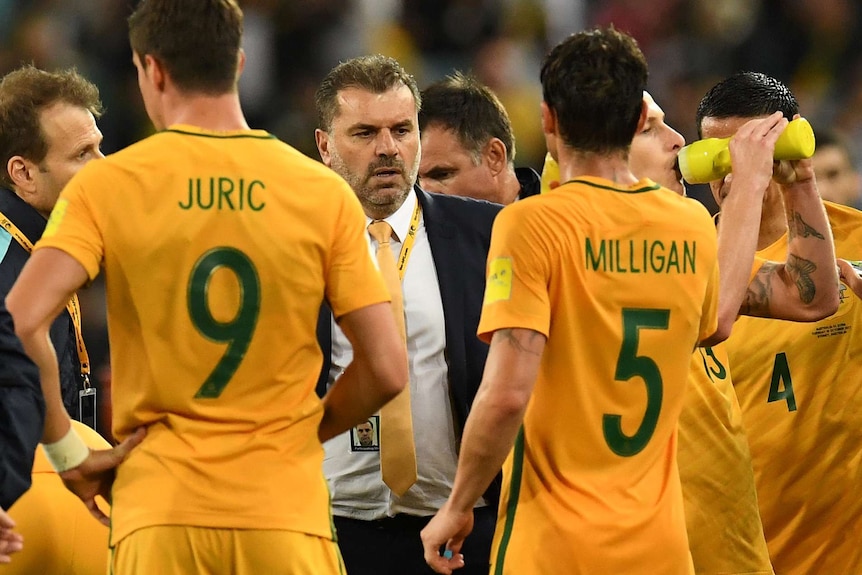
<point x="397" y="451"/>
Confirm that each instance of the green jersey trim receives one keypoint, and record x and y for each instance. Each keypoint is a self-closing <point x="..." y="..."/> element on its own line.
<point x="512" y="503"/>
<point x="613" y="189"/>
<point x="222" y="136"/>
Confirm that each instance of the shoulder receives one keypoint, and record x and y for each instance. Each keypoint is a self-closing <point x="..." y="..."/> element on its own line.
<point x="456" y="206"/>
<point x="846" y="223"/>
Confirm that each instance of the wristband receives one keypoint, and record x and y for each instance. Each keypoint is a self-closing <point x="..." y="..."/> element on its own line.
<point x="67" y="453"/>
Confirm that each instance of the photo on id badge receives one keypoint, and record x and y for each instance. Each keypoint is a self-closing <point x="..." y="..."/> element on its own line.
<point x="366" y="435"/>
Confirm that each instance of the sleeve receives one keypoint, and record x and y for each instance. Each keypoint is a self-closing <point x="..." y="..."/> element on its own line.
<point x="352" y="279"/>
<point x="73" y="226"/>
<point x="22" y="414"/>
<point x="516" y="285"/>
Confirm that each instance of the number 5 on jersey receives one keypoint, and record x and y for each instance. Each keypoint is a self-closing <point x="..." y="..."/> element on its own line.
<point x="629" y="365"/>
<point x="236" y="332"/>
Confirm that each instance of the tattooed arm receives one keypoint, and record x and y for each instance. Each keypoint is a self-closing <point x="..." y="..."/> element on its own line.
<point x="490" y="432"/>
<point x="805" y="286"/>
<point x="741" y="197"/>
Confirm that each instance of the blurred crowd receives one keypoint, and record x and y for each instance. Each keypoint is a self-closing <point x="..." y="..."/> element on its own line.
<point x="811" y="45"/>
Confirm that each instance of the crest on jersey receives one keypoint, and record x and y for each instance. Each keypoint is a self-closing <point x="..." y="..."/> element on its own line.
<point x="499" y="285"/>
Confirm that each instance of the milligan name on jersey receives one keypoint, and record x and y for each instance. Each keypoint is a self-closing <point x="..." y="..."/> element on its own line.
<point x="641" y="256"/>
<point x="221" y="193"/>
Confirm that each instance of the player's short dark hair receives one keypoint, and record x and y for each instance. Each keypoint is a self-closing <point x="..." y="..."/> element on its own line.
<point x="197" y="41"/>
<point x="462" y="104"/>
<point x="24" y="94"/>
<point x="375" y="73"/>
<point x="593" y="81"/>
<point x="746" y="95"/>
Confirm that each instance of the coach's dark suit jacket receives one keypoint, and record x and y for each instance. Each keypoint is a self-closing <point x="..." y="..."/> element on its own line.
<point x="22" y="413"/>
<point x="459" y="233"/>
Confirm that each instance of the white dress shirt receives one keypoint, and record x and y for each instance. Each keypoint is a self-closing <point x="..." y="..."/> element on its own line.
<point x="354" y="477"/>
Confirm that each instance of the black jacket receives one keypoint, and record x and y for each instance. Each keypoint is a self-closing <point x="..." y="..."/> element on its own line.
<point x="22" y="414"/>
<point x="12" y="260"/>
<point x="459" y="233"/>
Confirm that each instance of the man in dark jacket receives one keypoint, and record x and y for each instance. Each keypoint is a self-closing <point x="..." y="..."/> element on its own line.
<point x="22" y="415"/>
<point x="468" y="147"/>
<point x="47" y="133"/>
<point x="368" y="132"/>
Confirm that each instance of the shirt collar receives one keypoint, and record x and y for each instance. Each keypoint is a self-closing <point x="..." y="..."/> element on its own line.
<point x="400" y="220"/>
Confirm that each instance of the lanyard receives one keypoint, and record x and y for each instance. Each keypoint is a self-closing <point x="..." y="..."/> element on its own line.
<point x="407" y="244"/>
<point x="73" y="306"/>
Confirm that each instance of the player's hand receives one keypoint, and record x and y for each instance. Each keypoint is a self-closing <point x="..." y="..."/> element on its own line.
<point x="449" y="528"/>
<point x="850" y="275"/>
<point x="752" y="151"/>
<point x="794" y="172"/>
<point x="95" y="475"/>
<point x="10" y="542"/>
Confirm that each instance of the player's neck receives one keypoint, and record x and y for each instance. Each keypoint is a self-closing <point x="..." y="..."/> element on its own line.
<point x="220" y="113"/>
<point x="613" y="167"/>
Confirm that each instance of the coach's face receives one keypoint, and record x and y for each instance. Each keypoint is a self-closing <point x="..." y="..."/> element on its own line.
<point x="374" y="145"/>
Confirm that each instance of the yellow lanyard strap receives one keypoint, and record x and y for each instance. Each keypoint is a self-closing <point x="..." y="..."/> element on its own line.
<point x="407" y="244"/>
<point x="73" y="306"/>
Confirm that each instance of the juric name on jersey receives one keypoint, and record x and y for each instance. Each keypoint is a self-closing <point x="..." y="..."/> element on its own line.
<point x="221" y="193"/>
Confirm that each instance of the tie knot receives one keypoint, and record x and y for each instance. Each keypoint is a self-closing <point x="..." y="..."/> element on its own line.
<point x="380" y="231"/>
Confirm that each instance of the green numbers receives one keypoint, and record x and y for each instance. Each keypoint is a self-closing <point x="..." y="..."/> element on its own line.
<point x="781" y="379"/>
<point x="713" y="368"/>
<point x="629" y="365"/>
<point x="236" y="332"/>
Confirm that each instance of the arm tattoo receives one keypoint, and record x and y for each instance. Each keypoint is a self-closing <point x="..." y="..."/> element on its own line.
<point x="757" y="297"/>
<point x="800" y="270"/>
<point x="800" y="228"/>
<point x="514" y="342"/>
<point x="756" y="301"/>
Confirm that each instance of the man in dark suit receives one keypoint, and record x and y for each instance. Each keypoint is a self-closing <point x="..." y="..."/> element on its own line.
<point x="368" y="133"/>
<point x="22" y="415"/>
<point x="468" y="146"/>
<point x="48" y="133"/>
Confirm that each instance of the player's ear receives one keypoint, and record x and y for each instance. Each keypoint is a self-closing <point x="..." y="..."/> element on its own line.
<point x="549" y="120"/>
<point x="495" y="155"/>
<point x="240" y="64"/>
<point x="321" y="138"/>
<point x="156" y="72"/>
<point x="22" y="172"/>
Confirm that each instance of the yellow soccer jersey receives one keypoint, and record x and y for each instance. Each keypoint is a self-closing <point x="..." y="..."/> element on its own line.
<point x="724" y="528"/>
<point x="218" y="249"/>
<point x="623" y="282"/>
<point x="798" y="387"/>
<point x="60" y="535"/>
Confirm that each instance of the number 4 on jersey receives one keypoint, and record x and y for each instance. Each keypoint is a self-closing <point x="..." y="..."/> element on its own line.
<point x="781" y="386"/>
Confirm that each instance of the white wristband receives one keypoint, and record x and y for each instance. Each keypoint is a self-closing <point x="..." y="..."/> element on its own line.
<point x="67" y="453"/>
